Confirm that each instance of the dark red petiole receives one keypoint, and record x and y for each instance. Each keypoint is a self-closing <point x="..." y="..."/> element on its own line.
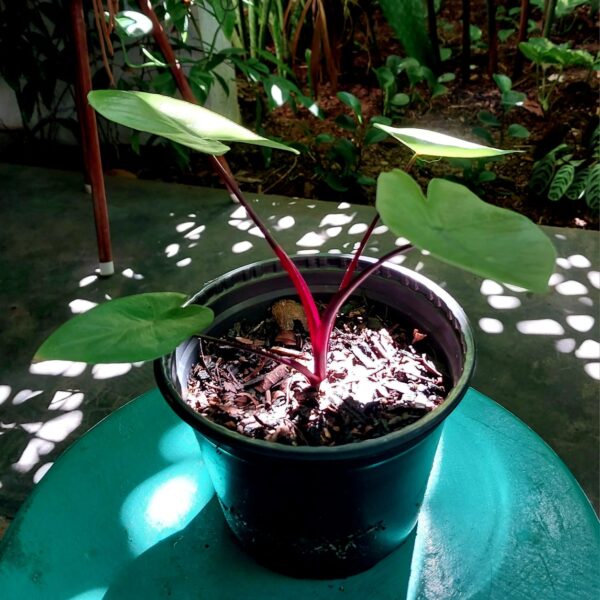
<point x="320" y="326"/>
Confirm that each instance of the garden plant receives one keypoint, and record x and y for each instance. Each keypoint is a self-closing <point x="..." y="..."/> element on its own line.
<point x="450" y="222"/>
<point x="334" y="507"/>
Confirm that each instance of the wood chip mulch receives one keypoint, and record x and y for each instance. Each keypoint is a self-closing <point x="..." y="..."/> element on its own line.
<point x="379" y="381"/>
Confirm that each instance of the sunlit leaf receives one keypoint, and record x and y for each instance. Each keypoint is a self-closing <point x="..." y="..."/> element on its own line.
<point x="129" y="329"/>
<point x="131" y="25"/>
<point x="188" y="124"/>
<point x="432" y="143"/>
<point x="457" y="227"/>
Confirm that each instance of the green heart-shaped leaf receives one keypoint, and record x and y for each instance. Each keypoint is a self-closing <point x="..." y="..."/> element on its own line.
<point x="456" y="226"/>
<point x="129" y="329"/>
<point x="432" y="143"/>
<point x="188" y="124"/>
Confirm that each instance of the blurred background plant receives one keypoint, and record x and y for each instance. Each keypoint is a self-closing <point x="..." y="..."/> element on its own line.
<point x="317" y="75"/>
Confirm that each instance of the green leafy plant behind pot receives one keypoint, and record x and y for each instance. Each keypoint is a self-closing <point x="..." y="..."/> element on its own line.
<point x="450" y="222"/>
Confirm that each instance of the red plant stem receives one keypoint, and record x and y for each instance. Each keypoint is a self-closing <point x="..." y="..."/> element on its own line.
<point x="308" y="302"/>
<point x="337" y="300"/>
<point x="289" y="362"/>
<point x="352" y="266"/>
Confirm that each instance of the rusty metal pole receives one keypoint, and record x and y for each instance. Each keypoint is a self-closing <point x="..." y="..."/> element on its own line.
<point x="89" y="138"/>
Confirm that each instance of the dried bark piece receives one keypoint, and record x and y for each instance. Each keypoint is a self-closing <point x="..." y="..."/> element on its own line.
<point x="285" y="312"/>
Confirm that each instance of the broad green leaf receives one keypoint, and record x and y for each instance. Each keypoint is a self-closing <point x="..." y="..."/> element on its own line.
<point x="353" y="102"/>
<point x="432" y="143"/>
<point x="131" y="25"/>
<point x="518" y="131"/>
<point x="129" y="329"/>
<point x="456" y="226"/>
<point x="188" y="124"/>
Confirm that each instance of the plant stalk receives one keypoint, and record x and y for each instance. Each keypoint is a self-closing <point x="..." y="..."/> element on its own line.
<point x="308" y="302"/>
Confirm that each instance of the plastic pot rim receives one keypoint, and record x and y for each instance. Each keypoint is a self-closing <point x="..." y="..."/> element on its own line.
<point x="388" y="444"/>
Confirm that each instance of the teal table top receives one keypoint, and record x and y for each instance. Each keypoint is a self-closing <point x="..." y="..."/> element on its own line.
<point x="129" y="512"/>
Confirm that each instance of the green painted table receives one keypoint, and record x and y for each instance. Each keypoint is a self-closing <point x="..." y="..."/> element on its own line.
<point x="128" y="512"/>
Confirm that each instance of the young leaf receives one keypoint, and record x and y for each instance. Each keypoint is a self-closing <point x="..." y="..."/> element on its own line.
<point x="129" y="329"/>
<point x="518" y="131"/>
<point x="353" y="102"/>
<point x="431" y="143"/>
<point x="455" y="226"/>
<point x="504" y="34"/>
<point x="446" y="77"/>
<point x="182" y="122"/>
<point x="400" y="99"/>
<point x="503" y="82"/>
<point x="513" y="98"/>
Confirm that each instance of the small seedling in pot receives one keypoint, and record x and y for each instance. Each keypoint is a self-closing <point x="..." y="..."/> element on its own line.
<point x="449" y="221"/>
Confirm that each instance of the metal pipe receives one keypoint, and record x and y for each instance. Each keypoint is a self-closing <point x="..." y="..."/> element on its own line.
<point x="87" y="119"/>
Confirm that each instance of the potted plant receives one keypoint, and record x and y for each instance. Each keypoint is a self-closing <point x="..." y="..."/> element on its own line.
<point x="309" y="506"/>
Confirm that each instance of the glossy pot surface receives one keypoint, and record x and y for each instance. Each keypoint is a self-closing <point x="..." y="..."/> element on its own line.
<point x="316" y="511"/>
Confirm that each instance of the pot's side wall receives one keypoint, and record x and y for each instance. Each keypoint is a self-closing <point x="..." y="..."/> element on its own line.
<point x="318" y="519"/>
<point x="323" y="512"/>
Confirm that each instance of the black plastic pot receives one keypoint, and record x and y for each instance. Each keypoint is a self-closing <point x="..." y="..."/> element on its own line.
<point x="323" y="512"/>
